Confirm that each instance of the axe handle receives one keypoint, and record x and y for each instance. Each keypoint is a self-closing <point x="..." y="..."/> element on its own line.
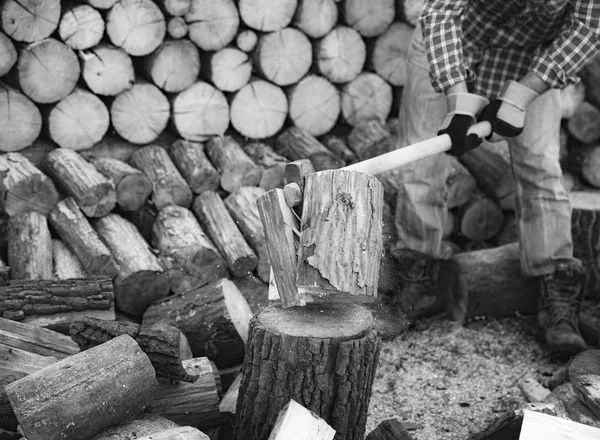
<point x="402" y="156"/>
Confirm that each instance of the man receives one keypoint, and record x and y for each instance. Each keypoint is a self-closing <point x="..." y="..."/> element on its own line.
<point x="504" y="62"/>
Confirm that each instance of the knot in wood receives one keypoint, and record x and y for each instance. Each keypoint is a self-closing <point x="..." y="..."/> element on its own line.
<point x="346" y="199"/>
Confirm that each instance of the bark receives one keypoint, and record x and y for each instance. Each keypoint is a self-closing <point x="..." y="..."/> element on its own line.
<point x="316" y="18"/>
<point x="8" y="54"/>
<point x="81" y="27"/>
<point x="22" y="120"/>
<point x="190" y="159"/>
<point x="174" y="66"/>
<point x="272" y="164"/>
<point x="265" y="15"/>
<point x="340" y="56"/>
<point x="369" y="19"/>
<point x="212" y="24"/>
<point x="29" y="247"/>
<point x="233" y="164"/>
<point x="228" y="69"/>
<point x="107" y="70"/>
<point x="389" y="55"/>
<point x="390" y="429"/>
<point x="30" y="20"/>
<point x="368" y="96"/>
<point x="66" y="265"/>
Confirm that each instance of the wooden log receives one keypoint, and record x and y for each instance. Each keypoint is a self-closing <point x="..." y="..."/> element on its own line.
<point x="22" y="120"/>
<point x="532" y="390"/>
<point x="571" y="97"/>
<point x="565" y="396"/>
<point x="302" y="333"/>
<point x="340" y="55"/>
<point x="228" y="69"/>
<point x="200" y="112"/>
<point x="107" y="70"/>
<point x="583" y="125"/>
<point x="46" y="409"/>
<point x="142" y="425"/>
<point x="173" y="66"/>
<point x="69" y="222"/>
<point x="26" y="187"/>
<point x="480" y="218"/>
<point x="190" y="259"/>
<point x="369" y="19"/>
<point x="185" y="351"/>
<point x="370" y="138"/>
<point x="66" y="265"/>
<point x="94" y="193"/>
<point x="267" y="16"/>
<point x="461" y="186"/>
<point x="81" y="27"/>
<point x="132" y="186"/>
<point x="224" y="233"/>
<point x="585" y="230"/>
<point x="314" y="105"/>
<point x="30" y="20"/>
<point x="583" y="160"/>
<point x="259" y="109"/>
<point x="409" y="10"/>
<point x="316" y="18"/>
<point x="37" y="151"/>
<point x="140" y="279"/>
<point x="111" y="146"/>
<point x="227" y="407"/>
<point x="177" y="28"/>
<point x="389" y="55"/>
<point x="212" y="24"/>
<point x="296" y="422"/>
<point x="390" y="429"/>
<point x="168" y="185"/>
<point x="339" y="147"/>
<point x="296" y="143"/>
<point x="191" y="161"/>
<point x="214" y="318"/>
<point x="29" y="247"/>
<point x="8" y="54"/>
<point x="175" y="8"/>
<point x="537" y="426"/>
<point x="272" y="164"/>
<point x="235" y="167"/>
<point x="368" y="96"/>
<point x="246" y="40"/>
<point x="136" y="26"/>
<point x="143" y="219"/>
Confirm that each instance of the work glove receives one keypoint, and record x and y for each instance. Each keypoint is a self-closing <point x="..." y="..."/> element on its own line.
<point x="462" y="110"/>
<point x="507" y="113"/>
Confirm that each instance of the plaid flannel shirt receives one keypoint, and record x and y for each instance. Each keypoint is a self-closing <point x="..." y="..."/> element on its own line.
<point x="487" y="42"/>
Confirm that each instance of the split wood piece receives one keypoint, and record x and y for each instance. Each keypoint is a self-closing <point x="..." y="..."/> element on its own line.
<point x="480" y="218"/>
<point x="369" y="19"/>
<point x="585" y="229"/>
<point x="224" y="233"/>
<point x="339" y="147"/>
<point x="118" y="371"/>
<point x="341" y="55"/>
<point x="200" y="112"/>
<point x="259" y="109"/>
<point x="22" y="119"/>
<point x="16" y="363"/>
<point x="143" y="219"/>
<point x="136" y="26"/>
<point x="370" y="138"/>
<point x="341" y="216"/>
<point x="78" y="121"/>
<point x="177" y="28"/>
<point x="316" y="18"/>
<point x="246" y="40"/>
<point x="295" y="422"/>
<point x="144" y="424"/>
<point x="235" y="167"/>
<point x="174" y="66"/>
<point x="107" y="70"/>
<point x="267" y="16"/>
<point x="30" y="20"/>
<point x="8" y="54"/>
<point x="242" y="207"/>
<point x="26" y="188"/>
<point x="390" y="429"/>
<point x="587" y="387"/>
<point x="74" y="229"/>
<point x="228" y="69"/>
<point x="168" y="185"/>
<point x="583" y="161"/>
<point x="314" y="104"/>
<point x="212" y="24"/>
<point x="133" y="187"/>
<point x="81" y="27"/>
<point x="181" y="433"/>
<point x="295" y="176"/>
<point x="389" y="54"/>
<point x="190" y="404"/>
<point x="140" y="113"/>
<point x="185" y="351"/>
<point x="585" y="363"/>
<point x="47" y="71"/>
<point x="190" y="259"/>
<point x="303" y="334"/>
<point x="538" y="426"/>
<point x="461" y="185"/>
<point x="66" y="265"/>
<point x="191" y="161"/>
<point x="368" y="96"/>
<point x="532" y="390"/>
<point x="495" y="285"/>
<point x="94" y="193"/>
<point x="505" y="427"/>
<point x="140" y="279"/>
<point x="567" y="400"/>
<point x="214" y="318"/>
<point x="101" y="4"/>
<point x="161" y="346"/>
<point x="296" y="143"/>
<point x="583" y="125"/>
<point x="29" y="247"/>
<point x="175" y="8"/>
<point x="571" y="97"/>
<point x="272" y="164"/>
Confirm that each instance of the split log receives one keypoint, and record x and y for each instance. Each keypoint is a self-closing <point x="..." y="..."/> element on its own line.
<point x="480" y="218"/>
<point x="389" y="55"/>
<point x="144" y="424"/>
<point x="81" y="27"/>
<point x="200" y="112"/>
<point x="140" y="113"/>
<point x="181" y="433"/>
<point x="340" y="56"/>
<point x="22" y="119"/>
<point x="295" y="422"/>
<point x="136" y="26"/>
<point x="585" y="122"/>
<point x="140" y="279"/>
<point x="191" y="161"/>
<point x="29" y="247"/>
<point x="107" y="70"/>
<point x="228" y="69"/>
<point x="168" y="185"/>
<point x="212" y="24"/>
<point x="175" y="8"/>
<point x="174" y="66"/>
<point x="133" y="187"/>
<point x="47" y="71"/>
<point x="584" y="160"/>
<point x="189" y="257"/>
<point x="214" y="318"/>
<point x="259" y="109"/>
<point x="390" y="429"/>
<point x="296" y="143"/>
<point x="74" y="229"/>
<point x="339" y="147"/>
<point x="46" y="409"/>
<point x="303" y="334"/>
<point x="370" y="19"/>
<point x="66" y="265"/>
<point x="224" y="233"/>
<point x="235" y="167"/>
<point x="26" y="187"/>
<point x="272" y="164"/>
<point x="246" y="40"/>
<point x="571" y="97"/>
<point x="314" y="105"/>
<point x="94" y="193"/>
<point x="78" y="121"/>
<point x="368" y="96"/>
<point x="538" y="425"/>
<point x="30" y="20"/>
<point x="316" y="18"/>
<point x="8" y="54"/>
<point x="177" y="28"/>
<point x="370" y="138"/>
<point x="585" y="229"/>
<point x="267" y="16"/>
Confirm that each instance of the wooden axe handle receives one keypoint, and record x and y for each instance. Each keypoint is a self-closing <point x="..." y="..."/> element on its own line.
<point x="402" y="156"/>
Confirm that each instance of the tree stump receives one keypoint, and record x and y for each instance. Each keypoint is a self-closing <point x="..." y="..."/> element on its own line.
<point x="323" y="356"/>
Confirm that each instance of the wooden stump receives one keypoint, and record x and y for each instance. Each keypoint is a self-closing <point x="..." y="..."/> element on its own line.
<point x="340" y="56"/>
<point x="29" y="247"/>
<point x="22" y="119"/>
<point x="212" y="24"/>
<point x="323" y="356"/>
<point x="107" y="70"/>
<point x="30" y="20"/>
<point x="316" y="18"/>
<point x="81" y="27"/>
<point x="368" y="96"/>
<point x="267" y="15"/>
<point x="233" y="164"/>
<point x="585" y="228"/>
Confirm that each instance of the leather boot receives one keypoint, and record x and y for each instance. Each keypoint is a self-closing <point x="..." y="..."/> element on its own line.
<point x="558" y="309"/>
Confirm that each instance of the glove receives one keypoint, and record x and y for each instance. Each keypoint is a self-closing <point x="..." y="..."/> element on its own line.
<point x="462" y="110"/>
<point x="507" y="113"/>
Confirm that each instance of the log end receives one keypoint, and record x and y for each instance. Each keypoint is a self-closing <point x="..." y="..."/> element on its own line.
<point x="180" y="195"/>
<point x="37" y="193"/>
<point x="133" y="191"/>
<point x="99" y="202"/>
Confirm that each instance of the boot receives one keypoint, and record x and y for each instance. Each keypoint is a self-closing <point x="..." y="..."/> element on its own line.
<point x="558" y="309"/>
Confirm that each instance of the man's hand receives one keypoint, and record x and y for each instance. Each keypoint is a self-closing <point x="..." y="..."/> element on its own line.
<point x="463" y="107"/>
